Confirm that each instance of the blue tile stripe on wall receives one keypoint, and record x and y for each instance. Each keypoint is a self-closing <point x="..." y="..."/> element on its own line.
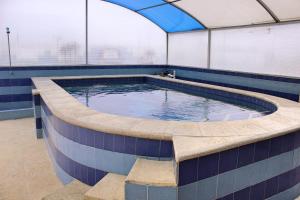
<point x="79" y="171"/>
<point x="293" y="97"/>
<point x="60" y="173"/>
<point x="15" y="82"/>
<point x="236" y="73"/>
<point x="104" y="160"/>
<point x="34" y="68"/>
<point x="204" y="167"/>
<point x="267" y="188"/>
<point x="111" y="142"/>
<point x="215" y="94"/>
<point x="247" y="167"/>
<point x="15" y="97"/>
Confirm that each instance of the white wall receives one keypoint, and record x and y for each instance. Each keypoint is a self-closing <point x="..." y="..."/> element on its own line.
<point x="188" y="49"/>
<point x="268" y="50"/>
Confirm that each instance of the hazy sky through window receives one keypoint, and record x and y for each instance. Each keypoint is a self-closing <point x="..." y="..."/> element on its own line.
<point x="53" y="31"/>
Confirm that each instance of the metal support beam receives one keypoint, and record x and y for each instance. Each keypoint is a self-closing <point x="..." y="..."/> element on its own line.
<point x="86" y="33"/>
<point x="276" y="19"/>
<point x="208" y="48"/>
<point x="167" y="48"/>
<point x="8" y="43"/>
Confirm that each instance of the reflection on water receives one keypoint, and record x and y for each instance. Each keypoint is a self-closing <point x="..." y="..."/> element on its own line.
<point x="153" y="102"/>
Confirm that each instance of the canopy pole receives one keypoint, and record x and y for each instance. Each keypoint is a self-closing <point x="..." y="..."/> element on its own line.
<point x="86" y="33"/>
<point x="8" y="43"/>
<point x="275" y="18"/>
<point x="167" y="48"/>
<point x="208" y="48"/>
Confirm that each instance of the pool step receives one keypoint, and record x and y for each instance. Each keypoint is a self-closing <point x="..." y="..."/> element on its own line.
<point x="72" y="191"/>
<point x="111" y="187"/>
<point x="151" y="180"/>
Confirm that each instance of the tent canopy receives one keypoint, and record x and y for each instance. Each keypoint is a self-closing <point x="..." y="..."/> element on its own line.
<point x="187" y="15"/>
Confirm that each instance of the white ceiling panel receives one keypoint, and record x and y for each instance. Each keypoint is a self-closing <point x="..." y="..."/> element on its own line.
<point x="226" y="13"/>
<point x="285" y="10"/>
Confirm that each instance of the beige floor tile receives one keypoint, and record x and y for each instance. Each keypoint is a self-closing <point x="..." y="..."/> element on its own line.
<point x="26" y="170"/>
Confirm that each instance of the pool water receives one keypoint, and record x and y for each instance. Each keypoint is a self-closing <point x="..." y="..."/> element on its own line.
<point x="154" y="102"/>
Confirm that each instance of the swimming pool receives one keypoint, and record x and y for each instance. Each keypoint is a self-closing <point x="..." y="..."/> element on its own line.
<point x="204" y="159"/>
<point x="150" y="101"/>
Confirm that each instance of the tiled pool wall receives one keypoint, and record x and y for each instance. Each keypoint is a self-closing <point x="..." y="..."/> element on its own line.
<point x="285" y="87"/>
<point x="215" y="94"/>
<point x="269" y="169"/>
<point x="89" y="155"/>
<point x="15" y="83"/>
<point x="16" y="86"/>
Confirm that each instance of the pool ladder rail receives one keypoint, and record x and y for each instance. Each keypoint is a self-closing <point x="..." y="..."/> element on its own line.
<point x="172" y="75"/>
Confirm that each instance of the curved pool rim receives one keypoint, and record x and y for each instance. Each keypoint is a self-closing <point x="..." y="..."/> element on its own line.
<point x="190" y="139"/>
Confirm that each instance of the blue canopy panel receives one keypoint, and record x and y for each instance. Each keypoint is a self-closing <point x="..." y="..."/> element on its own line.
<point x="167" y="16"/>
<point x="171" y="18"/>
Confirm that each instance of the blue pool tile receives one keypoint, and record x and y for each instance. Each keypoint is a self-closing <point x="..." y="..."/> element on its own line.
<point x="297" y="139"/>
<point x="84" y="173"/>
<point x="146" y="147"/>
<point x="284" y="181"/>
<point x="99" y="140"/>
<point x="206" y="188"/>
<point x="77" y="171"/>
<point x="208" y="166"/>
<point x="38" y="123"/>
<point x="76" y="133"/>
<point x="70" y="167"/>
<point x="275" y="146"/>
<point x="246" y="155"/>
<point x="99" y="175"/>
<point x="243" y="194"/>
<point x="90" y="134"/>
<point x="262" y="150"/>
<point x="226" y="183"/>
<point x="228" y="160"/>
<point x="82" y="136"/>
<point x="130" y="145"/>
<point x="188" y="171"/>
<point x="162" y="193"/>
<point x="119" y="143"/>
<point x="293" y="178"/>
<point x="257" y="192"/>
<point x="271" y="187"/>
<point x="188" y="192"/>
<point x="108" y="142"/>
<point x="166" y="149"/>
<point x="37" y="100"/>
<point x="287" y="143"/>
<point x="135" y="192"/>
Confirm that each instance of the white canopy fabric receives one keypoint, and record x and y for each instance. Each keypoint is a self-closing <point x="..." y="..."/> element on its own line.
<point x="212" y="13"/>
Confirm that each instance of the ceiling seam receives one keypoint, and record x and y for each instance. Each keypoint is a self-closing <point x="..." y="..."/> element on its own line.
<point x="268" y="9"/>
<point x="162" y="4"/>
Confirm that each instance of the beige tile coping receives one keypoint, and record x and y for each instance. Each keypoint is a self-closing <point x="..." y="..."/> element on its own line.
<point x="190" y="139"/>
<point x="111" y="187"/>
<point x="152" y="172"/>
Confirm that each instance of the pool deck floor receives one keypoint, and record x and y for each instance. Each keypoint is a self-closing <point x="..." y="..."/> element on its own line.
<point x="26" y="172"/>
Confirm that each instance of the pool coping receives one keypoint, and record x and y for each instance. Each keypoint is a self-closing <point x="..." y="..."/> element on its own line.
<point x="190" y="139"/>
